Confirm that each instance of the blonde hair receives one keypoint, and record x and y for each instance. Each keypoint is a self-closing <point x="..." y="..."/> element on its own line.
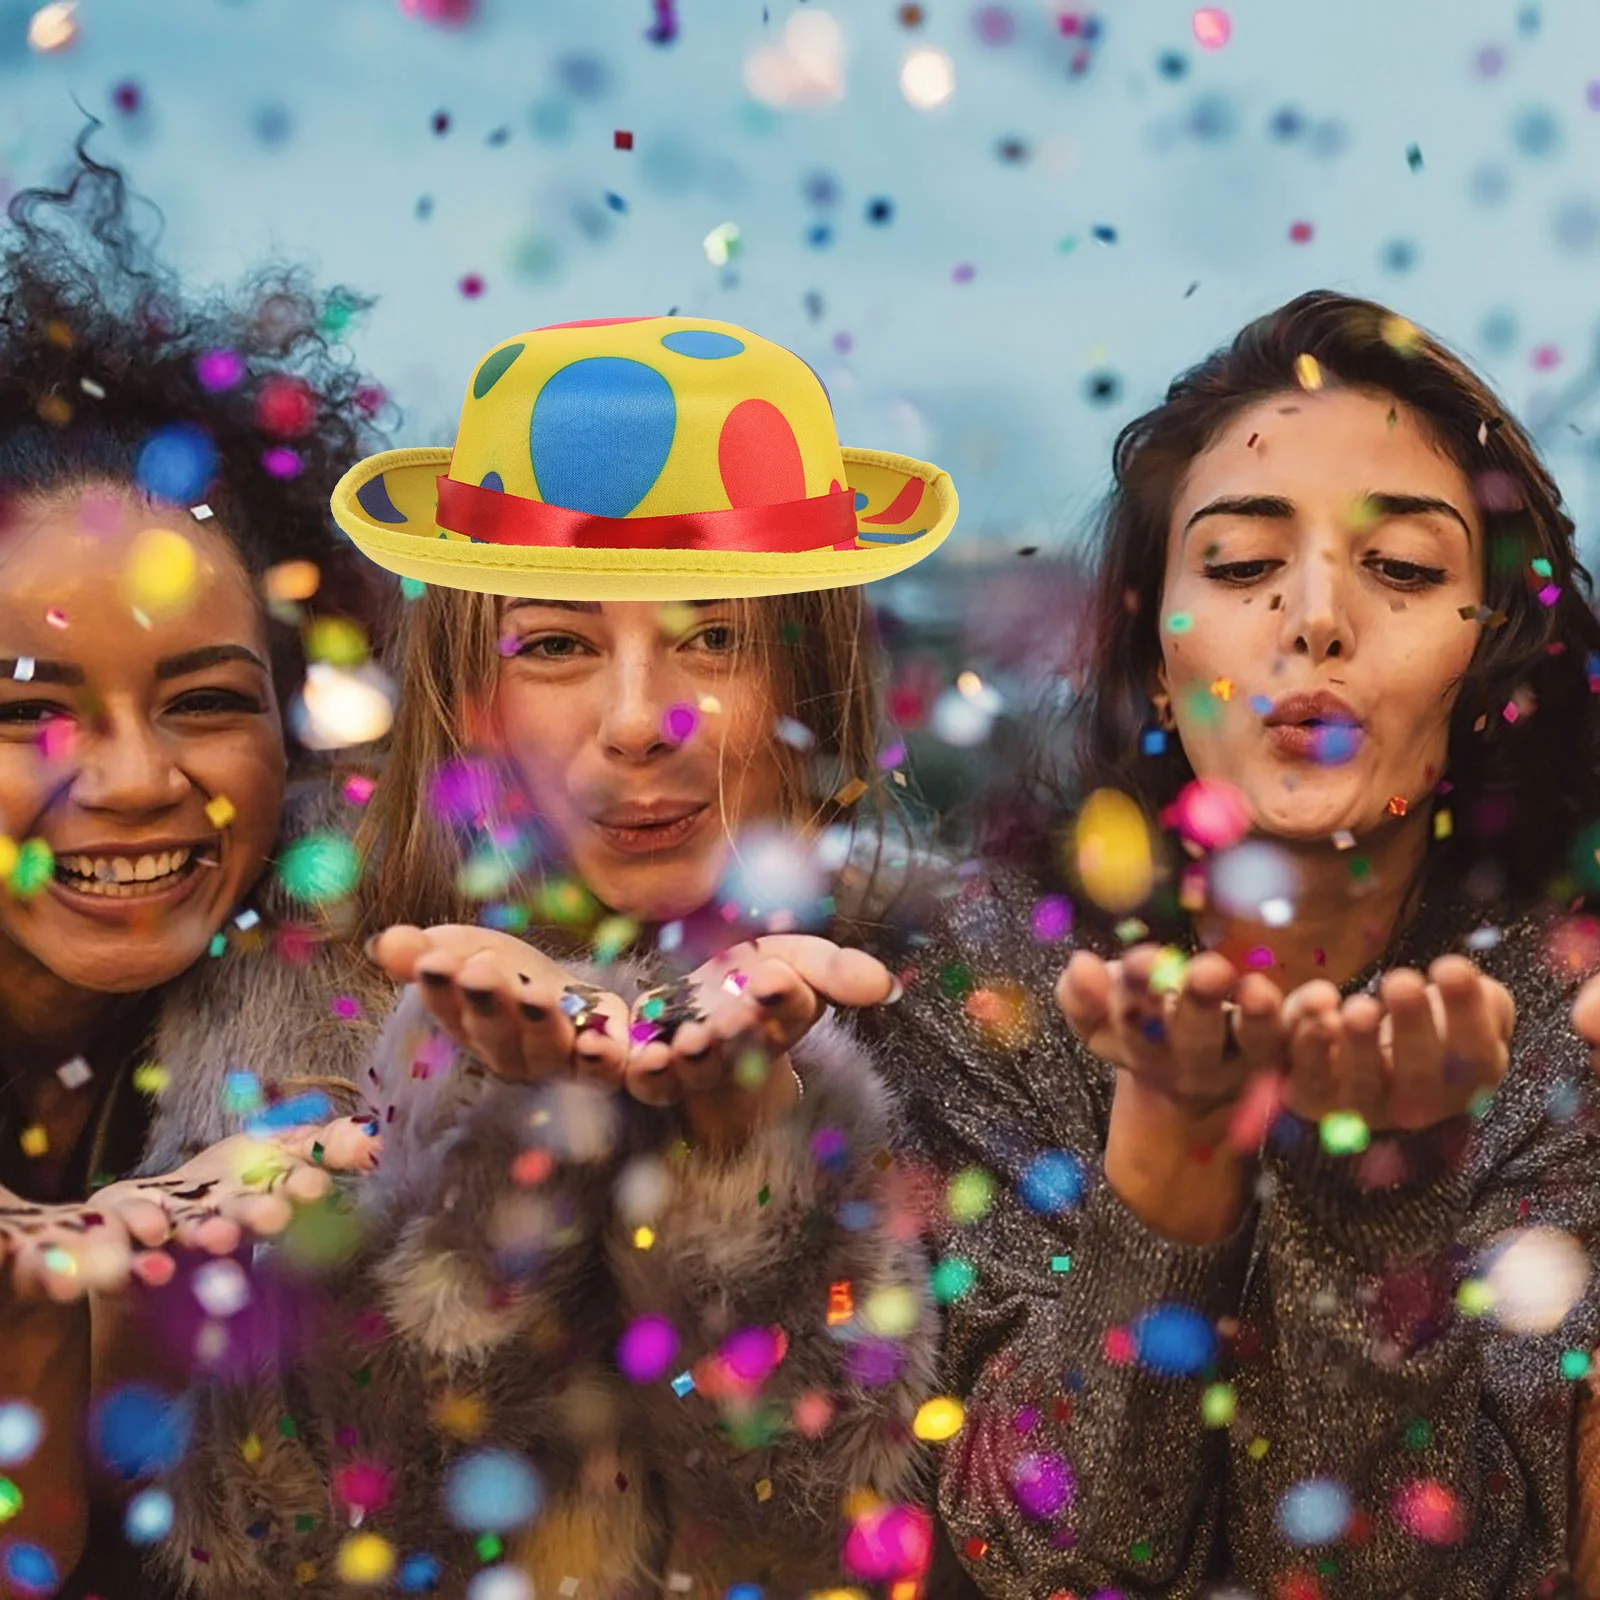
<point x="817" y="652"/>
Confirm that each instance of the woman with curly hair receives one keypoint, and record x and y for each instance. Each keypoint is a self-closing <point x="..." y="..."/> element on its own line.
<point x="165" y="466"/>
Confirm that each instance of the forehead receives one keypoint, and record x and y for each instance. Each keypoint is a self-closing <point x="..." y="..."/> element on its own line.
<point x="73" y="568"/>
<point x="1339" y="441"/>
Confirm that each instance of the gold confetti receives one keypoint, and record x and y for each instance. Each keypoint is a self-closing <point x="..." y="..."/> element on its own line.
<point x="1400" y="334"/>
<point x="939" y="1419"/>
<point x="150" y="1078"/>
<point x="250" y="1448"/>
<point x="643" y="1238"/>
<point x="220" y="811"/>
<point x="1222" y="688"/>
<point x="35" y="1141"/>
<point x="1443" y="825"/>
<point x="1307" y="373"/>
<point x="162" y="572"/>
<point x="850" y="793"/>
<point x="763" y="1489"/>
<point x="460" y="1415"/>
<point x="55" y="410"/>
<point x="292" y="580"/>
<point x="365" y="1558"/>
<point x="1111" y="844"/>
<point x="1398" y="805"/>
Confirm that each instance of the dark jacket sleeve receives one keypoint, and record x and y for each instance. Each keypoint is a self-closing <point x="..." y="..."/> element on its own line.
<point x="1392" y="1369"/>
<point x="1081" y="1342"/>
<point x="794" y="1281"/>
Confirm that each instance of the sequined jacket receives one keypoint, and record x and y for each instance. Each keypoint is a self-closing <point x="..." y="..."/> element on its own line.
<point x="784" y="1337"/>
<point x="1361" y="1428"/>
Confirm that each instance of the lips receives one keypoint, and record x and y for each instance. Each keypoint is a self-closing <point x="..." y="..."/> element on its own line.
<point x="1312" y="710"/>
<point x="650" y="814"/>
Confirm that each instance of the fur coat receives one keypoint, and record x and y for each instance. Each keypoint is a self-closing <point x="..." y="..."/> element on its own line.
<point x="561" y="1340"/>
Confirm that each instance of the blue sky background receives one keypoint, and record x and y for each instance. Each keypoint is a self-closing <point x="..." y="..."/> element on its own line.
<point x="305" y="128"/>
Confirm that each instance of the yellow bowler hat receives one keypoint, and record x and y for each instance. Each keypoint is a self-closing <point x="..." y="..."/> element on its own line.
<point x="645" y="458"/>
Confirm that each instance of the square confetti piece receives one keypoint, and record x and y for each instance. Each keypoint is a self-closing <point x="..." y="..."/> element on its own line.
<point x="35" y="1141"/>
<point x="682" y="1384"/>
<point x="622" y="139"/>
<point x="75" y="1073"/>
<point x="220" y="811"/>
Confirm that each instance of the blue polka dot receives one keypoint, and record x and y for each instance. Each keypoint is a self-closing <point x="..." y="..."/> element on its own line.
<point x="873" y="536"/>
<point x="861" y="500"/>
<point x="602" y="430"/>
<point x="702" y="344"/>
<point x="373" y="498"/>
<point x="494" y="369"/>
<point x="492" y="480"/>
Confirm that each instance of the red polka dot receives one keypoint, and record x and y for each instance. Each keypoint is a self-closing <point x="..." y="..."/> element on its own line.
<point x="759" y="458"/>
<point x="597" y="322"/>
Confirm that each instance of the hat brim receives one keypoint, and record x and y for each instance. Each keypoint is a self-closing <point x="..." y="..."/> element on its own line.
<point x="905" y="509"/>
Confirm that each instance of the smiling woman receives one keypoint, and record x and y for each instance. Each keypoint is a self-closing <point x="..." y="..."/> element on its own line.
<point x="164" y="473"/>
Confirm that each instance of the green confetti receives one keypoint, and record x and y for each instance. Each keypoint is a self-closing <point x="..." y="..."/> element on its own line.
<point x="412" y="588"/>
<point x="952" y="1279"/>
<point x="1474" y="1298"/>
<point x="1574" y="1365"/>
<point x="35" y="867"/>
<point x="1061" y="1263"/>
<point x="286" y="1427"/>
<point x="1419" y="1433"/>
<point x="320" y="868"/>
<point x="489" y="1548"/>
<point x="1139" y="1550"/>
<point x="1218" y="1405"/>
<point x="970" y="1194"/>
<point x="1344" y="1134"/>
<point x="956" y="981"/>
<point x="304" y="1522"/>
<point x="764" y="1196"/>
<point x="10" y="1499"/>
<point x="361" y="1377"/>
<point x="218" y="945"/>
<point x="1179" y="622"/>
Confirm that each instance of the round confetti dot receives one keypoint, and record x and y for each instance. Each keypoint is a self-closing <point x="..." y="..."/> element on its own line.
<point x="952" y="1279"/>
<point x="163" y="570"/>
<point x="679" y="723"/>
<point x="1052" y="1183"/>
<point x="365" y="1559"/>
<point x="500" y="1583"/>
<point x="1212" y="27"/>
<point x="1102" y="388"/>
<point x="703" y="344"/>
<point x="1429" y="1511"/>
<point x="21" y="1429"/>
<point x="285" y="407"/>
<point x="282" y="463"/>
<point x="222" y="1288"/>
<point x="136" y="1430"/>
<point x="1042" y="1485"/>
<point x="30" y="1569"/>
<point x="1314" y="1512"/>
<point x="10" y="1500"/>
<point x="127" y="98"/>
<point x="994" y="25"/>
<point x="1301" y="232"/>
<point x="54" y="27"/>
<point x="1114" y="858"/>
<point x="1536" y="132"/>
<point x="969" y="1195"/>
<point x="419" y="1573"/>
<point x="646" y="1349"/>
<point x="582" y="414"/>
<point x="1212" y="813"/>
<point x="1051" y="919"/>
<point x="1173" y="1340"/>
<point x="1344" y="1133"/>
<point x="939" y="1419"/>
<point x="889" y="1544"/>
<point x="493" y="1491"/>
<point x="880" y="211"/>
<point x="752" y="1353"/>
<point x="148" y="1517"/>
<point x="471" y="286"/>
<point x="320" y="868"/>
<point x="176" y="463"/>
<point x="1535" y="1278"/>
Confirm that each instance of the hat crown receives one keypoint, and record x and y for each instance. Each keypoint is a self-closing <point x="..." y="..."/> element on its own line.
<point x="647" y="417"/>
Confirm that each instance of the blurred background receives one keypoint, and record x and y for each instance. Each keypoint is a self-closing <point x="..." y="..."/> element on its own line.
<point x="997" y="230"/>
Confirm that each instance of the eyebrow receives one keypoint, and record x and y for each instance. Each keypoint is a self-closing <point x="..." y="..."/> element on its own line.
<point x="589" y="607"/>
<point x="1275" y="507"/>
<point x="179" y="666"/>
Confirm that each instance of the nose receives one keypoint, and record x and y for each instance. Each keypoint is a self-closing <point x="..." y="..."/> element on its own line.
<point x="636" y="702"/>
<point x="1316" y="619"/>
<point x="122" y="764"/>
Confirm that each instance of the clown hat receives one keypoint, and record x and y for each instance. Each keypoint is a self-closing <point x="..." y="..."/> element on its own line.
<point x="644" y="458"/>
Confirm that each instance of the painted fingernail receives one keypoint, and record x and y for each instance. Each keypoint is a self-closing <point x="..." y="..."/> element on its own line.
<point x="481" y="1000"/>
<point x="532" y="1012"/>
<point x="896" y="993"/>
<point x="370" y="948"/>
<point x="696" y="1055"/>
<point x="434" y="980"/>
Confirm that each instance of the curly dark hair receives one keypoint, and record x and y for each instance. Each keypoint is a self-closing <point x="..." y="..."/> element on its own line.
<point x="1522" y="789"/>
<point x="100" y="348"/>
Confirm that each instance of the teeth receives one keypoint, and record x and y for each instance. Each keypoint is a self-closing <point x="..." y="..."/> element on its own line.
<point x="117" y="875"/>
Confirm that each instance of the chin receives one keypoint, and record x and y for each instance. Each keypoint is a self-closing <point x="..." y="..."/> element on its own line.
<point x="124" y="971"/>
<point x="653" y="894"/>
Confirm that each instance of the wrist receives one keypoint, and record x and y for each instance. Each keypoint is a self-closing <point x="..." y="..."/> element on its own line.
<point x="1173" y="1169"/>
<point x="724" y="1119"/>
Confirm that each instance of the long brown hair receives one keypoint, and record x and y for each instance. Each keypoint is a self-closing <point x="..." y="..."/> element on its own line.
<point x="819" y="653"/>
<point x="1521" y="786"/>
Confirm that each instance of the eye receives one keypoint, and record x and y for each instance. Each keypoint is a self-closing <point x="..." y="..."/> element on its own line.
<point x="1239" y="573"/>
<point x="1406" y="574"/>
<point x="216" y="702"/>
<point x="719" y="638"/>
<point x="31" y="713"/>
<point x="551" y="647"/>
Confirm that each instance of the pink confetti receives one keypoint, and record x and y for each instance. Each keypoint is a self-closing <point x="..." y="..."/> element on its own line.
<point x="56" y="617"/>
<point x="358" y="789"/>
<point x="471" y="286"/>
<point x="1213" y="27"/>
<point x="1301" y="232"/>
<point x="1546" y="356"/>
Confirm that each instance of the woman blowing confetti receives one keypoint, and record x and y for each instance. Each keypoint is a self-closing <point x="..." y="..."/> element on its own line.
<point x="635" y="1343"/>
<point x="1286" y="1292"/>
<point x="143" y="767"/>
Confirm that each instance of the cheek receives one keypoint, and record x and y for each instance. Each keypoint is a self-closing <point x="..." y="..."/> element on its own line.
<point x="540" y="732"/>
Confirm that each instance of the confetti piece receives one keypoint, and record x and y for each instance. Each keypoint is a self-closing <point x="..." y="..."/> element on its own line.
<point x="1308" y="374"/>
<point x="939" y="1419"/>
<point x="54" y="27"/>
<point x="162" y="573"/>
<point x="35" y="1141"/>
<point x="1414" y="157"/>
<point x="1212" y="27"/>
<point x="75" y="1073"/>
<point x="1301" y="233"/>
<point x="851" y="792"/>
<point x="365" y="1559"/>
<point x="1344" y="1133"/>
